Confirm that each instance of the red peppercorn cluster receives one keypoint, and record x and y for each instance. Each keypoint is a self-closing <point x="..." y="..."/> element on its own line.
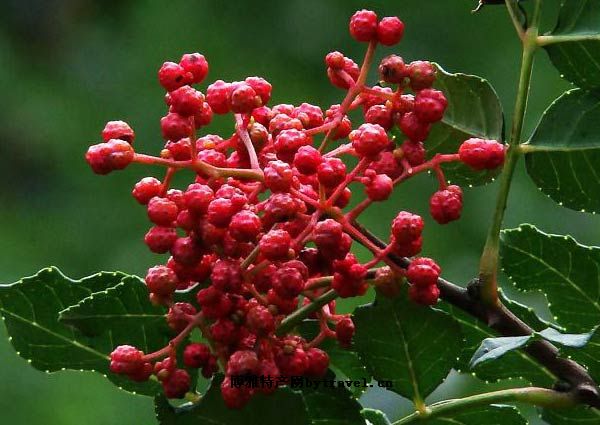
<point x="262" y="234"/>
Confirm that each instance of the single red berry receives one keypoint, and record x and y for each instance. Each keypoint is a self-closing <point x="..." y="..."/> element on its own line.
<point x="331" y="172"/>
<point x="142" y="373"/>
<point x="243" y="363"/>
<point x="245" y="226"/>
<point x="261" y="87"/>
<point x="288" y="282"/>
<point x="344" y="331"/>
<point x="109" y="156"/>
<point x="413" y="127"/>
<point x="175" y="126"/>
<point x="307" y="160"/>
<point x="220" y="211"/>
<point x="185" y="101"/>
<point x="162" y="211"/>
<point x="349" y="277"/>
<point x="196" y="355"/>
<point x="369" y="140"/>
<point x="160" y="239"/>
<point x="275" y="245"/>
<point x="125" y="359"/>
<point x="344" y="127"/>
<point x="410" y="248"/>
<point x="292" y="361"/>
<point x="177" y="316"/>
<point x="387" y="164"/>
<point x="146" y="189"/>
<point x="381" y="115"/>
<point x="172" y="76"/>
<point x="413" y="152"/>
<point x="288" y="142"/>
<point x="379" y="187"/>
<point x="423" y="272"/>
<point x="161" y="281"/>
<point x="430" y="105"/>
<point x="424" y="295"/>
<point x="363" y="25"/>
<point x="118" y="130"/>
<point x="318" y="362"/>
<point x="334" y="60"/>
<point x="178" y="384"/>
<point x="311" y="116"/>
<point x="421" y="74"/>
<point x="187" y="251"/>
<point x="243" y="99"/>
<point x="387" y="282"/>
<point x="226" y="276"/>
<point x="197" y="197"/>
<point x="392" y="69"/>
<point x="278" y="176"/>
<point x="203" y="116"/>
<point x="390" y="30"/>
<point x="196" y="64"/>
<point x="224" y="331"/>
<point x="283" y="305"/>
<point x="217" y="96"/>
<point x="407" y="227"/>
<point x="215" y="304"/>
<point x="260" y="321"/>
<point x="235" y="397"/>
<point x="446" y="205"/>
<point x="481" y="154"/>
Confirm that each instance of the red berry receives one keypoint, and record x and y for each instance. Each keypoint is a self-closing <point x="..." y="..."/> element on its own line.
<point x="410" y="248"/>
<point x="307" y="160"/>
<point x="424" y="295"/>
<point x="275" y="245"/>
<point x="160" y="239"/>
<point x="422" y="75"/>
<point x="446" y="205"/>
<point x="349" y="277"/>
<point x="334" y="60"/>
<point x="245" y="226"/>
<point x="261" y="87"/>
<point x="294" y="363"/>
<point x="369" y="140"/>
<point x="390" y="30"/>
<point x="311" y="116"/>
<point x="414" y="152"/>
<point x="220" y="211"/>
<point x="226" y="276"/>
<point x="288" y="142"/>
<point x="288" y="282"/>
<point x="196" y="355"/>
<point x="215" y="304"/>
<point x="379" y="187"/>
<point x="278" y="176"/>
<point x="175" y="126"/>
<point x="413" y="127"/>
<point x="481" y="154"/>
<point x="187" y="251"/>
<point x="161" y="281"/>
<point x="146" y="189"/>
<point x="344" y="331"/>
<point x="243" y="98"/>
<point x="430" y="105"/>
<point x="331" y="172"/>
<point x="176" y="317"/>
<point x="363" y="25"/>
<point x="260" y="321"/>
<point x="118" y="130"/>
<point x="172" y="76"/>
<point x="381" y="115"/>
<point x="109" y="156"/>
<point x="177" y="384"/>
<point x="125" y="359"/>
<point x="318" y="362"/>
<point x="197" y="197"/>
<point x="423" y="272"/>
<point x="162" y="211"/>
<point x="217" y="96"/>
<point x="224" y="331"/>
<point x="243" y="363"/>
<point x="203" y="116"/>
<point x="392" y="69"/>
<point x="185" y="101"/>
<point x="235" y="397"/>
<point x="196" y="64"/>
<point x="407" y="227"/>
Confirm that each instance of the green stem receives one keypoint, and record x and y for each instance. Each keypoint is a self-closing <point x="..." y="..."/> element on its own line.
<point x="488" y="266"/>
<point x="545" y="40"/>
<point x="513" y="12"/>
<point x="541" y="397"/>
<point x="299" y="315"/>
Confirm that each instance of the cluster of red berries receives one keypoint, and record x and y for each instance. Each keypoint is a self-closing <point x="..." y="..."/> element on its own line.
<point x="262" y="231"/>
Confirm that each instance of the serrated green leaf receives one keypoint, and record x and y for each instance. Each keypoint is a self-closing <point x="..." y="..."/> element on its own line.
<point x="327" y="405"/>
<point x="575" y="416"/>
<point x="493" y="348"/>
<point x="345" y="362"/>
<point x="589" y="356"/>
<point x="567" y="340"/>
<point x="488" y="415"/>
<point x="30" y="309"/>
<point x="413" y="346"/>
<point x="513" y="364"/>
<point x="375" y="417"/>
<point x="564" y="151"/>
<point x="578" y="61"/>
<point x="567" y="272"/>
<point x="474" y="110"/>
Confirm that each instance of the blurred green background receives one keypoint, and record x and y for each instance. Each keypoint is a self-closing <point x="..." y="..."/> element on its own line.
<point x="68" y="66"/>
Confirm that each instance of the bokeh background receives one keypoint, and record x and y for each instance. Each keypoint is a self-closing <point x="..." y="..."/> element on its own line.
<point x="68" y="66"/>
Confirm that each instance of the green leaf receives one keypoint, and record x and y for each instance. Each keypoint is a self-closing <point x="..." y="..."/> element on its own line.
<point x="575" y="416"/>
<point x="564" y="151"/>
<point x="567" y="340"/>
<point x="513" y="364"/>
<point x="375" y="417"/>
<point x="413" y="346"/>
<point x="345" y="362"/>
<point x="327" y="405"/>
<point x="30" y="309"/>
<point x="487" y="415"/>
<point x="493" y="348"/>
<point x="578" y="61"/>
<point x="474" y="110"/>
<point x="589" y="356"/>
<point x="565" y="271"/>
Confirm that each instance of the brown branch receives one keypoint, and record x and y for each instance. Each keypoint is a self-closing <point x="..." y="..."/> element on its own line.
<point x="503" y="321"/>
